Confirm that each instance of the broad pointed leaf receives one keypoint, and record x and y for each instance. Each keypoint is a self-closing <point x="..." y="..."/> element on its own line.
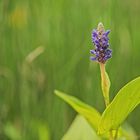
<point x="91" y="114"/>
<point x="80" y="130"/>
<point x="122" y="105"/>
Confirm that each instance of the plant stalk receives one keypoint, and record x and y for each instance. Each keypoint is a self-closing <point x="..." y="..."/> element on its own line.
<point x="105" y="84"/>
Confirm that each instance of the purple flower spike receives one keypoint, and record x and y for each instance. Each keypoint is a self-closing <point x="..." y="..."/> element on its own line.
<point x="101" y="42"/>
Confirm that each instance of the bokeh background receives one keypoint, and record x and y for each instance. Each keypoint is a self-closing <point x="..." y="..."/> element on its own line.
<point x="44" y="45"/>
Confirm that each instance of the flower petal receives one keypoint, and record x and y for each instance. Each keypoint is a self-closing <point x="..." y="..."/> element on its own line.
<point x="93" y="58"/>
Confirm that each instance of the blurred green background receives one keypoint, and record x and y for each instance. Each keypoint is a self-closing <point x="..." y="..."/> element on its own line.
<point x="44" y="45"/>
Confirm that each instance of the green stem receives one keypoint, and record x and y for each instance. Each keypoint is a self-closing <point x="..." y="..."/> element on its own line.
<point x="116" y="135"/>
<point x="111" y="136"/>
<point x="105" y="84"/>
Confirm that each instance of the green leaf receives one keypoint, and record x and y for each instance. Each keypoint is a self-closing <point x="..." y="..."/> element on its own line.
<point x="122" y="105"/>
<point x="80" y="130"/>
<point x="91" y="114"/>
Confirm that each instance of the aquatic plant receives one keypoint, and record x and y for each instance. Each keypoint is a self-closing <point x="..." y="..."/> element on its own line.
<point x="108" y="124"/>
